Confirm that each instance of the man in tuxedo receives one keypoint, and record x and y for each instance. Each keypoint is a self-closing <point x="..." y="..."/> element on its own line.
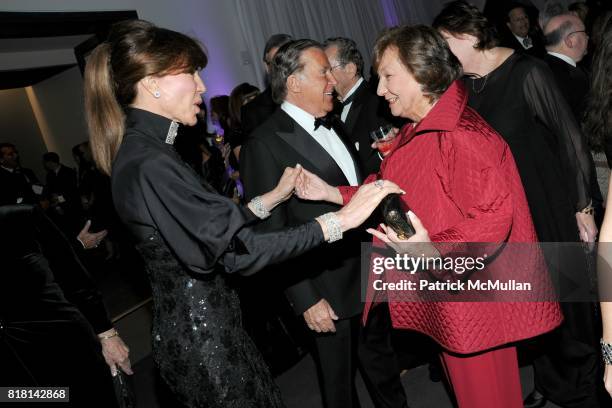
<point x="325" y="283"/>
<point x="566" y="43"/>
<point x="359" y="108"/>
<point x="520" y="36"/>
<point x="17" y="184"/>
<point x="259" y="109"/>
<point x="61" y="180"/>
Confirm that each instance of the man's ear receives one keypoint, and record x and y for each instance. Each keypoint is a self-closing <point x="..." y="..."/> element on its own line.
<point x="569" y="43"/>
<point x="351" y="68"/>
<point x="294" y="84"/>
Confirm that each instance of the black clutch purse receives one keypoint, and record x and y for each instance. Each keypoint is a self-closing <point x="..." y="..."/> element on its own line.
<point x="394" y="213"/>
<point x="123" y="391"/>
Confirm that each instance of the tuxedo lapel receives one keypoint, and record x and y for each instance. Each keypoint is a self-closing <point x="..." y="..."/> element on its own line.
<point x="356" y="106"/>
<point x="299" y="140"/>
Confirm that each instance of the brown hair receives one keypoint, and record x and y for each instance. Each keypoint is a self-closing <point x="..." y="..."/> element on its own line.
<point x="459" y="17"/>
<point x="134" y="49"/>
<point x="425" y="54"/>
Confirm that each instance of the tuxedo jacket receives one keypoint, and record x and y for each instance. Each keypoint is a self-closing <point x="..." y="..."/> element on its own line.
<point x="368" y="111"/>
<point x="331" y="271"/>
<point x="573" y="82"/>
<point x="64" y="183"/>
<point x="17" y="185"/>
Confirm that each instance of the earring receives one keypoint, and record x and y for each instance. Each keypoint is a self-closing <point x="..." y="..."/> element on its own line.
<point x="156" y="94"/>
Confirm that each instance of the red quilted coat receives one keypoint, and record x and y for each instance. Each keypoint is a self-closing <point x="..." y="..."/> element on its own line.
<point x="461" y="181"/>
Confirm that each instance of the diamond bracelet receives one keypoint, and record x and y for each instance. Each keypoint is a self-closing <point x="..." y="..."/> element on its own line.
<point x="332" y="223"/>
<point x="606" y="352"/>
<point x="259" y="209"/>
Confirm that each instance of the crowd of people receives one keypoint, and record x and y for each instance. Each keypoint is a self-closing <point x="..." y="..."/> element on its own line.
<point x="252" y="214"/>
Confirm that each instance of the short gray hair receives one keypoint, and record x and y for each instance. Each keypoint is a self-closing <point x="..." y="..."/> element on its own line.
<point x="556" y="36"/>
<point x="347" y="52"/>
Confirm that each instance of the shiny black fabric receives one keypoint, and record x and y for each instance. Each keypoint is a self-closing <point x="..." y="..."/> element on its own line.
<point x="45" y="340"/>
<point x="521" y="101"/>
<point x="189" y="236"/>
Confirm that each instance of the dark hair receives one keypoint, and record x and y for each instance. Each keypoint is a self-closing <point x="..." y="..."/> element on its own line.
<point x="287" y="61"/>
<point x="134" y="49"/>
<point x="6" y="144"/>
<point x="425" y="54"/>
<point x="460" y="17"/>
<point x="51" y="157"/>
<point x="275" y="41"/>
<point x="513" y="6"/>
<point x="598" y="119"/>
<point x="347" y="52"/>
<point x="557" y="35"/>
<point x="237" y="98"/>
<point x="219" y="105"/>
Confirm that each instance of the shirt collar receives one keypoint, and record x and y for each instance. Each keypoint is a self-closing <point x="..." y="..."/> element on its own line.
<point x="353" y="89"/>
<point x="152" y="124"/>
<point x="563" y="57"/>
<point x="303" y="118"/>
<point x="8" y="169"/>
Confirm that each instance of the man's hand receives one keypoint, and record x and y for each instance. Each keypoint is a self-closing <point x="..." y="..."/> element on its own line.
<point x="90" y="239"/>
<point x="320" y="317"/>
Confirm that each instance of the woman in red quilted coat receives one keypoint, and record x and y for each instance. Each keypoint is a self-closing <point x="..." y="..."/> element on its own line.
<point x="461" y="179"/>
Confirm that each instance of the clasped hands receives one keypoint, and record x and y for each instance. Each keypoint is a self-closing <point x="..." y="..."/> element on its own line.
<point x="307" y="186"/>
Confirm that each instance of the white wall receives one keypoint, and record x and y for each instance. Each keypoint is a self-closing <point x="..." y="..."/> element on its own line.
<point x="18" y="126"/>
<point x="58" y="106"/>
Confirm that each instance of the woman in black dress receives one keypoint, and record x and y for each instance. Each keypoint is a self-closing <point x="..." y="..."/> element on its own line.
<point x="139" y="85"/>
<point x="517" y="95"/>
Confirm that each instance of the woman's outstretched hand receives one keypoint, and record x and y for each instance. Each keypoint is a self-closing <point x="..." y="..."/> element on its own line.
<point x="287" y="183"/>
<point x="364" y="202"/>
<point x="311" y="187"/>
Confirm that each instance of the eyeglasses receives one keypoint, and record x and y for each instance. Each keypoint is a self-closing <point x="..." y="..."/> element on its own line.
<point x="579" y="31"/>
<point x="336" y="67"/>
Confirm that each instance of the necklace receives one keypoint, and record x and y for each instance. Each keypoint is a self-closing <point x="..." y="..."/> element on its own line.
<point x="482" y="87"/>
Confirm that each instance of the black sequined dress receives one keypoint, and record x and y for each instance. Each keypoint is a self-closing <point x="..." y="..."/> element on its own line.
<point x="191" y="238"/>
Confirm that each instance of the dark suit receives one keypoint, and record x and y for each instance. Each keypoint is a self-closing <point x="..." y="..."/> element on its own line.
<point x="537" y="49"/>
<point x="63" y="183"/>
<point x="331" y="271"/>
<point x="573" y="82"/>
<point x="16" y="186"/>
<point x="257" y="112"/>
<point x="367" y="112"/>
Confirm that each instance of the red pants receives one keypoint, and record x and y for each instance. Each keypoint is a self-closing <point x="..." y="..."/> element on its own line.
<point x="486" y="380"/>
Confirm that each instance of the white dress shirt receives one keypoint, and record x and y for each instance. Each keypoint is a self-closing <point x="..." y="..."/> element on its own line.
<point x="563" y="57"/>
<point x="522" y="41"/>
<point x="327" y="138"/>
<point x="347" y="107"/>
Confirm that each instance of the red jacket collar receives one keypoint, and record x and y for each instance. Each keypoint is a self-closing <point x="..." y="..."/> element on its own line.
<point x="444" y="116"/>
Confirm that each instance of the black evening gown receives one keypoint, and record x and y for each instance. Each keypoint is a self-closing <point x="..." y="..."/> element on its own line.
<point x="522" y="102"/>
<point x="190" y="238"/>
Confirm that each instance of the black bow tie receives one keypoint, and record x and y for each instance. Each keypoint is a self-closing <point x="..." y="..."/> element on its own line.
<point x="325" y="121"/>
